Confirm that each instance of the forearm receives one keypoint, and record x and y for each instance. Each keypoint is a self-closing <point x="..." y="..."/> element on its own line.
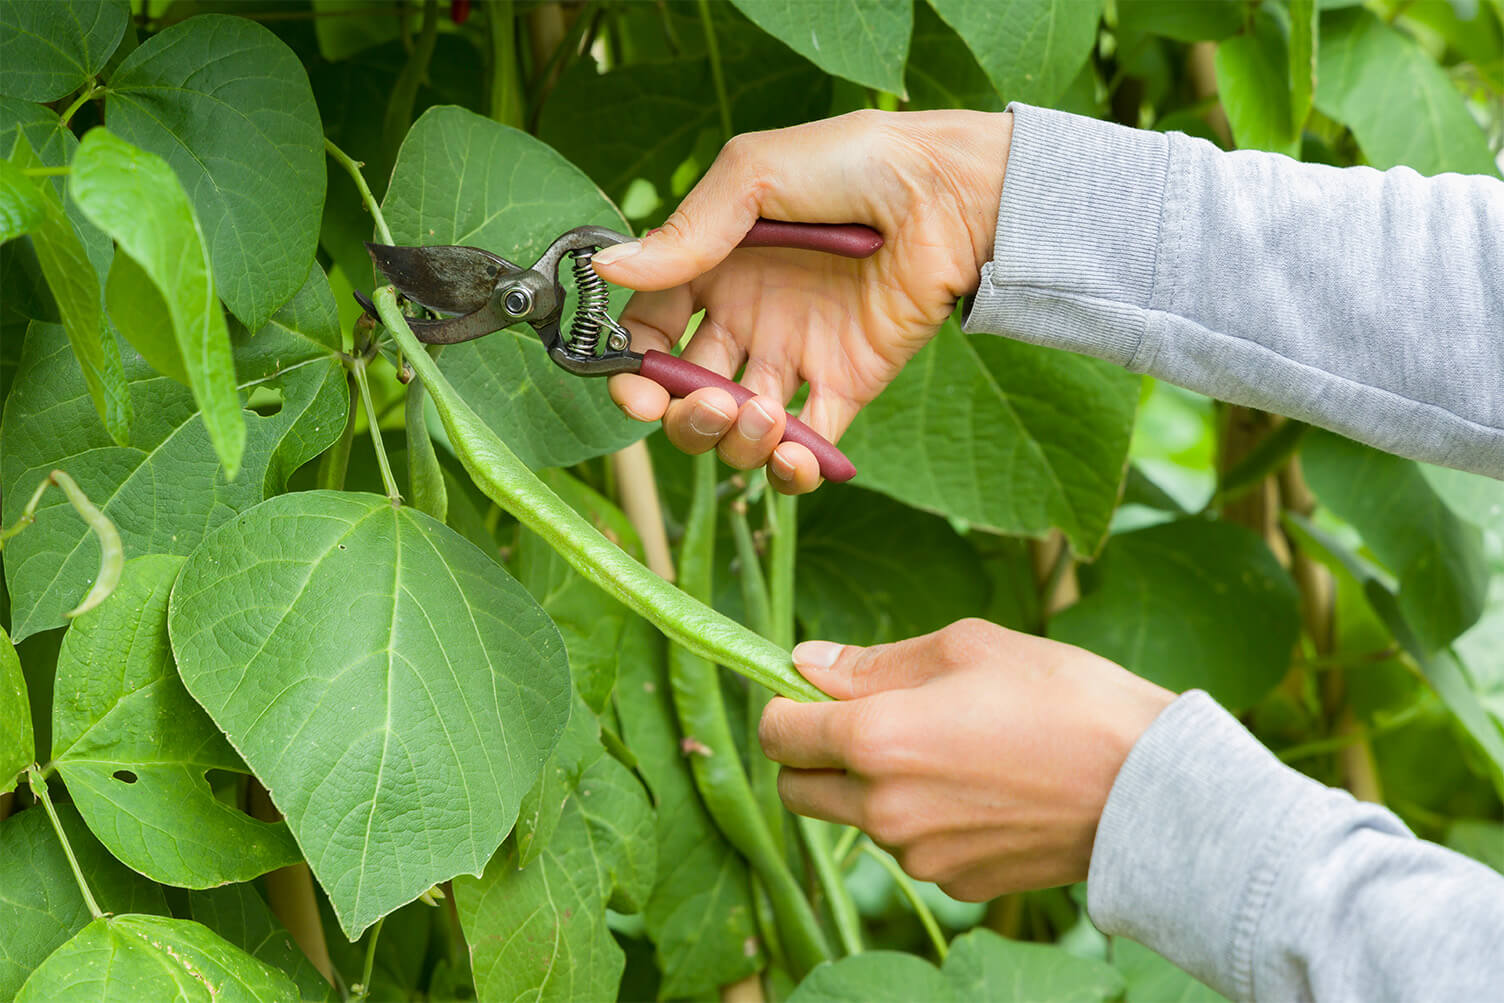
<point x="1369" y="303"/>
<point x="1267" y="885"/>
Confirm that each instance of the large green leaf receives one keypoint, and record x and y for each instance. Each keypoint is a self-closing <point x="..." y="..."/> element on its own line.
<point x="40" y="904"/>
<point x="1400" y="105"/>
<point x="237" y="913"/>
<point x="699" y="915"/>
<point x="50" y="49"/>
<point x="133" y="958"/>
<point x="983" y="966"/>
<point x="1006" y="436"/>
<point x="941" y="72"/>
<point x="1030" y="49"/>
<point x="50" y="423"/>
<point x="1253" y="81"/>
<point x="543" y="805"/>
<point x="539" y="932"/>
<point x="394" y="689"/>
<point x="74" y="285"/>
<point x="134" y="748"/>
<point x="875" y="977"/>
<point x="862" y="40"/>
<point x="1152" y="979"/>
<point x="134" y="197"/>
<point x="1189" y="604"/>
<point x="464" y="179"/>
<point x="228" y="106"/>
<point x="1478" y="499"/>
<point x="644" y="121"/>
<point x="1437" y="558"/>
<point x="17" y="743"/>
<point x="872" y="570"/>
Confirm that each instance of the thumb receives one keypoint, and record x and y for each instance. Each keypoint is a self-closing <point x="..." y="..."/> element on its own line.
<point x="849" y="671"/>
<point x="707" y="226"/>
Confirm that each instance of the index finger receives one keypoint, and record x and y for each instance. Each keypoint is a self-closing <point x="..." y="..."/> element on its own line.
<point x="810" y="736"/>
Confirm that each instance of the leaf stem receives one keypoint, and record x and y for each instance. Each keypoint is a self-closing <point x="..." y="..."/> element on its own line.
<point x="46" y="172"/>
<point x="842" y="906"/>
<point x="336" y="459"/>
<point x="844" y="845"/>
<point x="352" y="167"/>
<point x="359" y="371"/>
<point x="906" y="885"/>
<point x="714" y="52"/>
<point x="39" y="788"/>
<point x="111" y="551"/>
<point x="363" y="990"/>
<point x="90" y="90"/>
<point x="506" y="90"/>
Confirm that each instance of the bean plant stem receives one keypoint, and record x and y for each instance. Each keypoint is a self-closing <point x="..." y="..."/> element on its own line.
<point x="39" y="788"/>
<point x="363" y="990"/>
<point x="506" y="480"/>
<point x="90" y="91"/>
<point x="845" y="843"/>
<point x="359" y="370"/>
<point x="335" y="462"/>
<point x="506" y="91"/>
<point x="111" y="552"/>
<point x="352" y="167"/>
<point x="906" y="885"/>
<point x="714" y="52"/>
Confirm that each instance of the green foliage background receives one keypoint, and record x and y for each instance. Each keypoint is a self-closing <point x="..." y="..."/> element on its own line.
<point x="433" y="697"/>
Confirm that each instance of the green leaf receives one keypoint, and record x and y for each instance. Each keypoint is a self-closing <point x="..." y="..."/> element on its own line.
<point x="1006" y="436"/>
<point x="133" y="958"/>
<point x="543" y="805"/>
<point x="21" y="207"/>
<point x="394" y="689"/>
<point x="40" y="905"/>
<point x="463" y="179"/>
<point x="1400" y="105"/>
<point x="134" y="748"/>
<point x="237" y="913"/>
<point x="228" y="106"/>
<point x="1305" y="29"/>
<point x="873" y="571"/>
<point x="1479" y="839"/>
<point x="48" y="50"/>
<point x="875" y="977"/>
<point x="135" y="198"/>
<point x="345" y="27"/>
<point x="539" y="932"/>
<point x="699" y="915"/>
<point x="942" y="72"/>
<point x="1182" y="20"/>
<point x="866" y="41"/>
<point x="1152" y="979"/>
<point x="646" y="120"/>
<point x="1437" y="558"/>
<point x="17" y="743"/>
<point x="1189" y="604"/>
<point x="50" y="423"/>
<point x="983" y="966"/>
<point x="1253" y="80"/>
<point x="75" y="288"/>
<point x="1030" y="49"/>
<point x="1478" y="499"/>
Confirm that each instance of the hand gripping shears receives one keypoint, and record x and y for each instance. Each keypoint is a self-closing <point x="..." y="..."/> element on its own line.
<point x="484" y="292"/>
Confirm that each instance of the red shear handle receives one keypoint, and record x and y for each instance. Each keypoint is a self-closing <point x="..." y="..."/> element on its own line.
<point x="849" y="240"/>
<point x="682" y="378"/>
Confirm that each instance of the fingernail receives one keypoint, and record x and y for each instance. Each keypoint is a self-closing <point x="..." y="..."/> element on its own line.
<point x="707" y="420"/>
<point x="756" y="421"/>
<point x="817" y="654"/>
<point x="616" y="252"/>
<point x="783" y="469"/>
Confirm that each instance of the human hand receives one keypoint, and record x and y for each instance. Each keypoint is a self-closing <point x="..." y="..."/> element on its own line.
<point x="928" y="181"/>
<point x="980" y="757"/>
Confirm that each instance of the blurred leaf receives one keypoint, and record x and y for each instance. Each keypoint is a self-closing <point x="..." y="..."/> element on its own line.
<point x="872" y="570"/>
<point x="942" y="73"/>
<point x="1030" y="49"/>
<point x="862" y="40"/>
<point x="983" y="966"/>
<point x="463" y="179"/>
<point x="875" y="977"/>
<point x="1479" y="839"/>
<point x="1153" y="979"/>
<point x="1183" y="20"/>
<point x="50" y="49"/>
<point x="1305" y="29"/>
<point x="1478" y="499"/>
<point x="1007" y="436"/>
<point x="1189" y="604"/>
<point x="41" y="906"/>
<point x="1399" y="104"/>
<point x="1253" y="80"/>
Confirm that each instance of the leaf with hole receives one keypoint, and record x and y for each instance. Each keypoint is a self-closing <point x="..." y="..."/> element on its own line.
<point x="395" y="690"/>
<point x="135" y="749"/>
<point x="50" y="423"/>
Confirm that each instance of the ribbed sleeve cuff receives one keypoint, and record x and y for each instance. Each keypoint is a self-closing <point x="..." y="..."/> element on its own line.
<point x="1077" y="235"/>
<point x="1197" y="828"/>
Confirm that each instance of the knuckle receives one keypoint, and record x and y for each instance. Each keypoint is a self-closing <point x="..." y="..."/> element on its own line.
<point x="771" y="731"/>
<point x="873" y="732"/>
<point x="964" y="641"/>
<point x="889" y="818"/>
<point x="923" y="863"/>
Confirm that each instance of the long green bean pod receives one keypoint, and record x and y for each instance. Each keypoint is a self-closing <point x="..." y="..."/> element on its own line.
<point x="507" y="481"/>
<point x="714" y="761"/>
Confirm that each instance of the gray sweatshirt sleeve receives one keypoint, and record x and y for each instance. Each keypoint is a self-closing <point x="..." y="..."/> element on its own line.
<point x="1367" y="302"/>
<point x="1267" y="885"/>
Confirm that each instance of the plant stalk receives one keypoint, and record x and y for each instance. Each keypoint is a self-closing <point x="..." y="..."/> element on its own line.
<point x="89" y="92"/>
<point x="842" y="907"/>
<point x="399" y="107"/>
<point x="392" y="494"/>
<point x="352" y="167"/>
<point x="906" y="885"/>
<point x="506" y="87"/>
<point x="713" y="50"/>
<point x="39" y="788"/>
<point x="363" y="990"/>
<point x="335" y="462"/>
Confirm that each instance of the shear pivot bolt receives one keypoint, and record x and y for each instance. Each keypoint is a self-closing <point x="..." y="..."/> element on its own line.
<point x="518" y="302"/>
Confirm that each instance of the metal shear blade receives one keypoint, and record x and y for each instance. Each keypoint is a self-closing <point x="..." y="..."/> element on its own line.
<point x="446" y="278"/>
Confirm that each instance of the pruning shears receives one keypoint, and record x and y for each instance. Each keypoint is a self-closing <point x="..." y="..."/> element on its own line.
<point x="483" y="293"/>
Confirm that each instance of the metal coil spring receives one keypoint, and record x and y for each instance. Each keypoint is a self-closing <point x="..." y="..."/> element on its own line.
<point x="590" y="313"/>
